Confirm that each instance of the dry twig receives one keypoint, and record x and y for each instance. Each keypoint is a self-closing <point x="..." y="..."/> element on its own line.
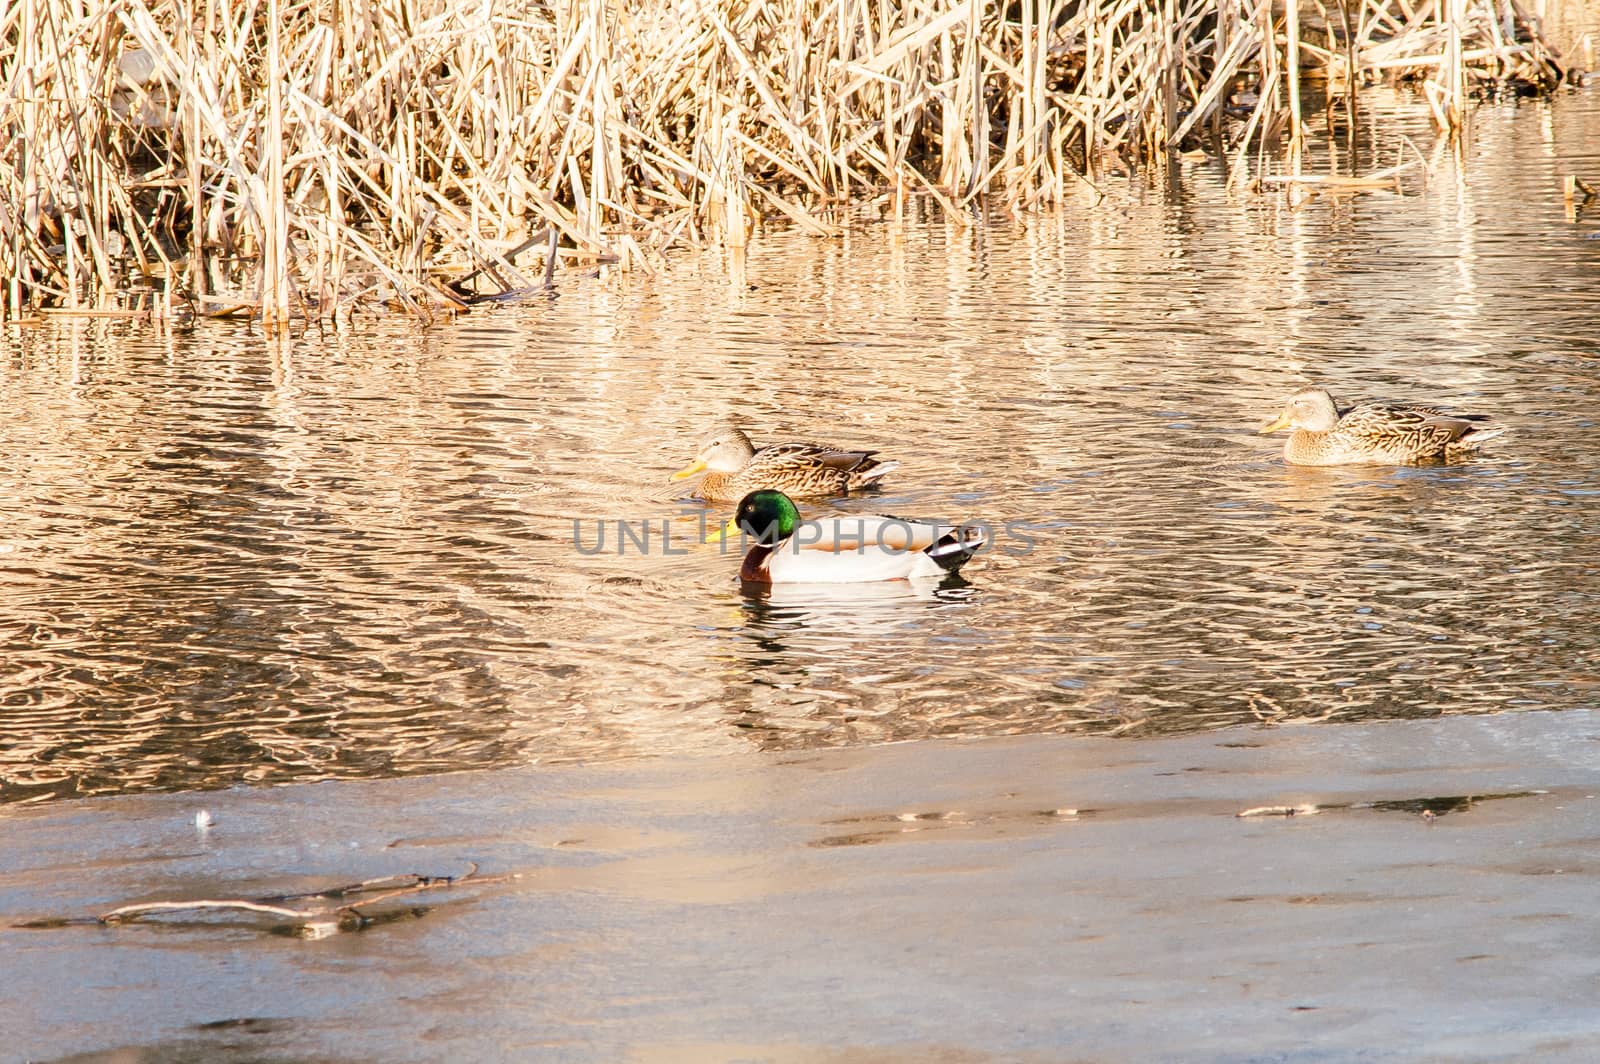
<point x="312" y="914"/>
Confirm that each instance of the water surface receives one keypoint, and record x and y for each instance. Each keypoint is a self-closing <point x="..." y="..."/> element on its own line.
<point x="363" y="553"/>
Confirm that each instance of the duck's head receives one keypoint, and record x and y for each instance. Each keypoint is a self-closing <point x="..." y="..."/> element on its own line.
<point x="766" y="516"/>
<point x="726" y="450"/>
<point x="1311" y="409"/>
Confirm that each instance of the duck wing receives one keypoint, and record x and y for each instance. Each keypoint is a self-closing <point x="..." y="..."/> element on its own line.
<point x="855" y="534"/>
<point x="1402" y="425"/>
<point x="807" y="455"/>
<point x="866" y="548"/>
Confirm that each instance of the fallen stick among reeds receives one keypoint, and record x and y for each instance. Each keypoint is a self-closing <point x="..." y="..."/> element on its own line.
<point x="1387" y="179"/>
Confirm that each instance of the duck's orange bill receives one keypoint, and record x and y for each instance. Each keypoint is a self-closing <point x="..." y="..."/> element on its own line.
<point x="689" y="470"/>
<point x="1277" y="424"/>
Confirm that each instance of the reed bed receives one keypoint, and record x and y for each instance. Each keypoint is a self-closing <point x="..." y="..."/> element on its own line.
<point x="307" y="158"/>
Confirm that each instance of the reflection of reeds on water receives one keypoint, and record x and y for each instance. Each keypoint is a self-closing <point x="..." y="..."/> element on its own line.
<point x="300" y="158"/>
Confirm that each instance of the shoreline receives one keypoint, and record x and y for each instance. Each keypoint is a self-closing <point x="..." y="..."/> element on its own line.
<point x="1007" y="898"/>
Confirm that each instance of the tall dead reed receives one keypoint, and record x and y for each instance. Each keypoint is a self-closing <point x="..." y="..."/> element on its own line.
<point x="308" y="157"/>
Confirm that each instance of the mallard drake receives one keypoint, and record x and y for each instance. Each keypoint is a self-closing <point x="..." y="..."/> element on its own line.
<point x="1373" y="432"/>
<point x="734" y="467"/>
<point x="842" y="549"/>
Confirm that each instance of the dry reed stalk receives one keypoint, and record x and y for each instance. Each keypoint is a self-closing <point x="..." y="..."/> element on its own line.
<point x="1455" y="71"/>
<point x="1291" y="50"/>
<point x="272" y="206"/>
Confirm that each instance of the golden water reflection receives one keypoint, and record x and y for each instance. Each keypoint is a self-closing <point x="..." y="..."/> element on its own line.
<point x="227" y="561"/>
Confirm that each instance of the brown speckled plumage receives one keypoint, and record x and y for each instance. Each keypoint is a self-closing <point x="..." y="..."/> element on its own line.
<point x="1377" y="433"/>
<point x="734" y="468"/>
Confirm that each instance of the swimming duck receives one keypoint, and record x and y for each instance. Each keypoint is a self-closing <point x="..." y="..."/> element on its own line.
<point x="734" y="467"/>
<point x="842" y="549"/>
<point x="1373" y="432"/>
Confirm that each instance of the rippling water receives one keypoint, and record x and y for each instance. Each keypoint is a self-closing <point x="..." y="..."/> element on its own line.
<point x="227" y="560"/>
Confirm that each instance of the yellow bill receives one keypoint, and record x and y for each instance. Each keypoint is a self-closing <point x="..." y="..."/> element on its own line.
<point x="1277" y="424"/>
<point x="689" y="470"/>
<point x="726" y="531"/>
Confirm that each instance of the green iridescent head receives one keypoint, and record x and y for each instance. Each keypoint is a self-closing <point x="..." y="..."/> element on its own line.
<point x="766" y="516"/>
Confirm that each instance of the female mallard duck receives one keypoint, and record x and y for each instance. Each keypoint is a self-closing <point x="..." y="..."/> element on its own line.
<point x="734" y="467"/>
<point x="842" y="549"/>
<point x="1373" y="432"/>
